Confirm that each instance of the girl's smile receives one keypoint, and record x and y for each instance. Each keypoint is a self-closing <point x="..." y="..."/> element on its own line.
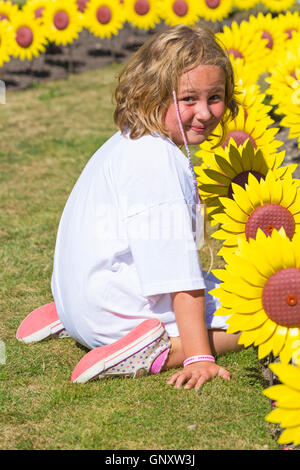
<point x="200" y="96"/>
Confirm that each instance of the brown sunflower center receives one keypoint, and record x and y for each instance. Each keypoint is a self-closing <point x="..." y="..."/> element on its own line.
<point x="61" y="20"/>
<point x="239" y="137"/>
<point x="24" y="36"/>
<point x="104" y="15"/>
<point x="269" y="217"/>
<point x="293" y="74"/>
<point x="38" y="13"/>
<point x="142" y="7"/>
<point x="281" y="297"/>
<point x="267" y="35"/>
<point x="290" y="32"/>
<point x="242" y="179"/>
<point x="237" y="54"/>
<point x="212" y="3"/>
<point x="180" y="8"/>
<point x="81" y="5"/>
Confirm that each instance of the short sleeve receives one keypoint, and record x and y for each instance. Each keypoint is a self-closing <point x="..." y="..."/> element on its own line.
<point x="163" y="248"/>
<point x="150" y="171"/>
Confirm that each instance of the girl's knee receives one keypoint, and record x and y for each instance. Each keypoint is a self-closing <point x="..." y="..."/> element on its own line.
<point x="222" y="342"/>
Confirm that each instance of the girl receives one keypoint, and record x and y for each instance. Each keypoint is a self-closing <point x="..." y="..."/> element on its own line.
<point x="127" y="280"/>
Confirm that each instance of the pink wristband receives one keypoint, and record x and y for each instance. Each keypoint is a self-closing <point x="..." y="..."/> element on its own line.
<point x="192" y="359"/>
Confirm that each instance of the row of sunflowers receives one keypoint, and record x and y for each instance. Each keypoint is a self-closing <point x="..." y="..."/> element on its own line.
<point x="253" y="205"/>
<point x="25" y="32"/>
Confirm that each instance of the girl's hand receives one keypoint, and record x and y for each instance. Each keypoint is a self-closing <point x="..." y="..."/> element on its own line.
<point x="196" y="374"/>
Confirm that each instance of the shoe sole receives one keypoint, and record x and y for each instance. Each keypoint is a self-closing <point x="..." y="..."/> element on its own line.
<point x="102" y="358"/>
<point x="39" y="324"/>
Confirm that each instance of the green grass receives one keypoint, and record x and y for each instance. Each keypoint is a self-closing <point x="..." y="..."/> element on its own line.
<point x="48" y="133"/>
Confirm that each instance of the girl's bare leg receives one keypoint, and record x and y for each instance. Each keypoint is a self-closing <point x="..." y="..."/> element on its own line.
<point x="220" y="341"/>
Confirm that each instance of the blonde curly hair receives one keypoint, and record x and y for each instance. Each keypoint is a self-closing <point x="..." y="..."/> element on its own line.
<point x="146" y="83"/>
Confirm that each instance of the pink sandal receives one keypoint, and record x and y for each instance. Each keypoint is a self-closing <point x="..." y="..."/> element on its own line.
<point x="130" y="356"/>
<point x="40" y="324"/>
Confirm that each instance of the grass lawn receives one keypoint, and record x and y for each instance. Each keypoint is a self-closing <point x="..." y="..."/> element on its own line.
<point x="48" y="133"/>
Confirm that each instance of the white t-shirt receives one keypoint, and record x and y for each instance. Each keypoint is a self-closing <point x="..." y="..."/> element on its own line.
<point x="125" y="240"/>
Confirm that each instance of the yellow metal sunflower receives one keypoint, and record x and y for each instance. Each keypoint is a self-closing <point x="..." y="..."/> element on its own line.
<point x="270" y="36"/>
<point x="242" y="75"/>
<point x="250" y="123"/>
<point x="104" y="18"/>
<point x="260" y="291"/>
<point x="220" y="170"/>
<point x="287" y="398"/>
<point x="258" y="202"/>
<point x="35" y="8"/>
<point x="278" y="5"/>
<point x="8" y="10"/>
<point x="249" y="93"/>
<point x="180" y="12"/>
<point x="215" y="10"/>
<point x="62" y="21"/>
<point x="241" y="41"/>
<point x="289" y="24"/>
<point x="282" y="79"/>
<point x="143" y="14"/>
<point x="292" y="116"/>
<point x="29" y="37"/>
<point x="290" y="107"/>
<point x="6" y="41"/>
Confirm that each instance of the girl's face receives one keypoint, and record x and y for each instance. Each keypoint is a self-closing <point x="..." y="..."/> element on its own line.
<point x="200" y="97"/>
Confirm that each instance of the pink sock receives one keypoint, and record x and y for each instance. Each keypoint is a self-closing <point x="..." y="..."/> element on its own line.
<point x="159" y="362"/>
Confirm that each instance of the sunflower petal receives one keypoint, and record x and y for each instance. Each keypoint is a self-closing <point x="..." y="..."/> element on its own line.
<point x="248" y="156"/>
<point x="236" y="323"/>
<point x="248" y="337"/>
<point x="239" y="195"/>
<point x="226" y="167"/>
<point x="295" y="207"/>
<point x="253" y="195"/>
<point x="265" y="195"/>
<point x="243" y="289"/>
<point x="233" y="227"/>
<point x="235" y="159"/>
<point x="289" y="196"/>
<point x="247" y="271"/>
<point x="276" y="416"/>
<point x="258" y="258"/>
<point x="276" y="193"/>
<point x="248" y="306"/>
<point x="217" y="176"/>
<point x="284" y="396"/>
<point x="291" y="346"/>
<point x="223" y="312"/>
<point x="279" y="339"/>
<point x="266" y="332"/>
<point x="287" y="373"/>
<point x="291" y="419"/>
<point x="290" y="435"/>
<point x="288" y="258"/>
<point x="265" y="348"/>
<point x="222" y="218"/>
<point x="215" y="189"/>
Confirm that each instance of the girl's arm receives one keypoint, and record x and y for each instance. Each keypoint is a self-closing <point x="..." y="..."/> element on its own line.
<point x="189" y="308"/>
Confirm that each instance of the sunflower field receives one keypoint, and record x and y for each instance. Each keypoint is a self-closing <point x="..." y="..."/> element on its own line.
<point x="251" y="194"/>
<point x="253" y="203"/>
